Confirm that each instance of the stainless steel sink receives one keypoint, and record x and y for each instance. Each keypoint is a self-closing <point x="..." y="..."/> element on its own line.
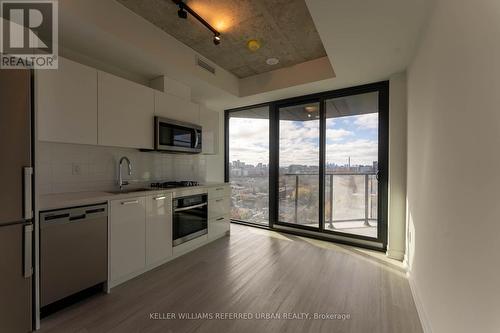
<point x="125" y="191"/>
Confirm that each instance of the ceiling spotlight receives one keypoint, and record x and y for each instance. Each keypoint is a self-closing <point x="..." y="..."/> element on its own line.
<point x="272" y="61"/>
<point x="182" y="14"/>
<point x="216" y="39"/>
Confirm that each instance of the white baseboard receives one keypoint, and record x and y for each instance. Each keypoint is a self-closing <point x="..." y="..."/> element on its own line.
<point x="395" y="254"/>
<point x="406" y="262"/>
<point x="418" y="304"/>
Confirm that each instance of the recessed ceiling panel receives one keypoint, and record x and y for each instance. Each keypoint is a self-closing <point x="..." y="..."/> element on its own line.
<point x="284" y="29"/>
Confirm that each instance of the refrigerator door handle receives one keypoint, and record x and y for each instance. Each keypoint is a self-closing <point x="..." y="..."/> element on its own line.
<point x="28" y="188"/>
<point x="28" y="264"/>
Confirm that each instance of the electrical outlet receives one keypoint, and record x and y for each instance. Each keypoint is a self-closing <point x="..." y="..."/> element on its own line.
<point x="76" y="169"/>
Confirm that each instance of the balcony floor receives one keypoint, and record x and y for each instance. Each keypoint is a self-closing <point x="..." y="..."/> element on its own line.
<point x="355" y="228"/>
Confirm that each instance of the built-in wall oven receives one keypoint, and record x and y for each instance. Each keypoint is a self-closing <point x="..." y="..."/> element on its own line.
<point x="190" y="218"/>
<point x="176" y="136"/>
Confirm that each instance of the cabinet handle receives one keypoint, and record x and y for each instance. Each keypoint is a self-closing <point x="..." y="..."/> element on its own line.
<point x="28" y="265"/>
<point x="28" y="188"/>
<point x="78" y="217"/>
<point x="219" y="200"/>
<point x="220" y="219"/>
<point x="159" y="198"/>
<point x="131" y="202"/>
<point x="219" y="189"/>
<point x="190" y="207"/>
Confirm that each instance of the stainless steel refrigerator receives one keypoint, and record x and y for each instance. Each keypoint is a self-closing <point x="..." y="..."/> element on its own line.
<point x="16" y="197"/>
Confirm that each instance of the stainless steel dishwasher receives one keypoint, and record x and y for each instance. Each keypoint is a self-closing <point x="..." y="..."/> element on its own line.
<point x="73" y="251"/>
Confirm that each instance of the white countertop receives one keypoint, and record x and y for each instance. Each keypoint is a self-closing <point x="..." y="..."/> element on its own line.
<point x="72" y="199"/>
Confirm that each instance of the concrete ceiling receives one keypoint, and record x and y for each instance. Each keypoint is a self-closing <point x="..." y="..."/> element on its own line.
<point x="284" y="28"/>
<point x="366" y="41"/>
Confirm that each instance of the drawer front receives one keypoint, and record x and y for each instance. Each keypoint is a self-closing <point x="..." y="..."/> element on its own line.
<point x="218" y="207"/>
<point x="218" y="226"/>
<point x="185" y="192"/>
<point x="128" y="236"/>
<point x="219" y="192"/>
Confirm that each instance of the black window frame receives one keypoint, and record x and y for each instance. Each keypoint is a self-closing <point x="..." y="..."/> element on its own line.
<point x="383" y="159"/>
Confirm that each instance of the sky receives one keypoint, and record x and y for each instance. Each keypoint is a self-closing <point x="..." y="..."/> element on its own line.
<point x="352" y="136"/>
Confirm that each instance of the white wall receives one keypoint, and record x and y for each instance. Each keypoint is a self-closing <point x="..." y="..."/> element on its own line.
<point x="309" y="71"/>
<point x="397" y="167"/>
<point x="453" y="168"/>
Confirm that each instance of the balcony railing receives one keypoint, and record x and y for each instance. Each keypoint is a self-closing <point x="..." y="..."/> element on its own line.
<point x="369" y="197"/>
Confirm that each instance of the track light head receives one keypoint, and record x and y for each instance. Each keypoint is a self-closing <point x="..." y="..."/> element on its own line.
<point x="182" y="13"/>
<point x="217" y="39"/>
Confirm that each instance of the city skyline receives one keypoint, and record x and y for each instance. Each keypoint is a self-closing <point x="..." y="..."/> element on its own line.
<point x="233" y="164"/>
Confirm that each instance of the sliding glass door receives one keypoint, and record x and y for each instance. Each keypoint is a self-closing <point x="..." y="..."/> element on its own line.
<point x="248" y="164"/>
<point x="299" y="142"/>
<point x="352" y="152"/>
<point x="314" y="165"/>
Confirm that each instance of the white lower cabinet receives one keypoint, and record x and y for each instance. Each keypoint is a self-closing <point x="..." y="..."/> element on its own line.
<point x="219" y="207"/>
<point x="140" y="234"/>
<point x="218" y="226"/>
<point x="220" y="191"/>
<point x="158" y="229"/>
<point x="127" y="237"/>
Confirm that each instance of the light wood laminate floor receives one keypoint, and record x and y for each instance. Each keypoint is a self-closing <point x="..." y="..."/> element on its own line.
<point x="255" y="271"/>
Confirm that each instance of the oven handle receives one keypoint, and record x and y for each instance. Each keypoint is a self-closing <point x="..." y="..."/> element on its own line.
<point x="196" y="138"/>
<point x="190" y="207"/>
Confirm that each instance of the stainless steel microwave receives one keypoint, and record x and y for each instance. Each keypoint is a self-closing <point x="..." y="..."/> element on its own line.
<point x="177" y="136"/>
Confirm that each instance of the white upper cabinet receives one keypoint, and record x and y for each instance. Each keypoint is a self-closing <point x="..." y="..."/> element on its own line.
<point x="126" y="113"/>
<point x="79" y="104"/>
<point x="176" y="108"/>
<point x="209" y="121"/>
<point x="66" y="103"/>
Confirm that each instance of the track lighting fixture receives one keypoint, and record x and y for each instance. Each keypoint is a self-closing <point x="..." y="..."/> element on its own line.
<point x="183" y="11"/>
<point x="182" y="14"/>
<point x="216" y="39"/>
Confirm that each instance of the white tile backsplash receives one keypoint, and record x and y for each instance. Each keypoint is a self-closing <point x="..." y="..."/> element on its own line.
<point x="73" y="168"/>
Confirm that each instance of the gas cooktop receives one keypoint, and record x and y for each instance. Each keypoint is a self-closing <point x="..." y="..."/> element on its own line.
<point x="184" y="183"/>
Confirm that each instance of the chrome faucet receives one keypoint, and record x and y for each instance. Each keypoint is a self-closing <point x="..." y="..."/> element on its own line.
<point x="122" y="182"/>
